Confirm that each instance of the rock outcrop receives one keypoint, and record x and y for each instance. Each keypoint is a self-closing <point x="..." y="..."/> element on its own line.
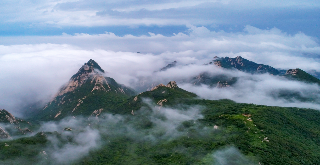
<point x="14" y="126"/>
<point x="89" y="85"/>
<point x="244" y="65"/>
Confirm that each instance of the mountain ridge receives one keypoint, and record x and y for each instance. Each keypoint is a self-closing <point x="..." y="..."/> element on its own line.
<point x="88" y="83"/>
<point x="165" y="125"/>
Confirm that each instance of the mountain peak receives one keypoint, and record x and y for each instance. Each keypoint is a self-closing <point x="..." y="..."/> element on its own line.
<point x="301" y="75"/>
<point x="244" y="65"/>
<point x="90" y="70"/>
<point x="90" y="67"/>
<point x="92" y="63"/>
<point x="6" y="117"/>
<point x="171" y="65"/>
<point x="171" y="84"/>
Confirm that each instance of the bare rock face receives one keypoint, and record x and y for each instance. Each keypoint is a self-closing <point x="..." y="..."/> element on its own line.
<point x="244" y="65"/>
<point x="91" y="69"/>
<point x="7" y="117"/>
<point x="156" y="87"/>
<point x="4" y="134"/>
<point x="292" y="72"/>
<point x="14" y="126"/>
<point x="88" y="86"/>
<point x="172" y="84"/>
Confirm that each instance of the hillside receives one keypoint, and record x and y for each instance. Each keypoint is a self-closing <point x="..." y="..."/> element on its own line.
<point x="87" y="93"/>
<point x="169" y="125"/>
<point x="95" y="120"/>
<point x="301" y="75"/>
<point x="11" y="126"/>
<point x="244" y="65"/>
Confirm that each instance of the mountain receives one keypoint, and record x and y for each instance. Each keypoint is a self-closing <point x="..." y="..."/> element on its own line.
<point x="266" y="135"/>
<point x="88" y="92"/>
<point x="219" y="81"/>
<point x="12" y="126"/>
<point x="171" y="65"/>
<point x="300" y="75"/>
<point x="222" y="80"/>
<point x="168" y="125"/>
<point x="95" y="120"/>
<point x="244" y="65"/>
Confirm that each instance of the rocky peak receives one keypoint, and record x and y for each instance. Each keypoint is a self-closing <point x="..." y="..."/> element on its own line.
<point x="90" y="70"/>
<point x="90" y="67"/>
<point x="171" y="65"/>
<point x="301" y="75"/>
<point x="7" y="117"/>
<point x="292" y="72"/>
<point x="244" y="65"/>
<point x="95" y="65"/>
<point x="171" y="84"/>
<point x="4" y="134"/>
<point x="239" y="58"/>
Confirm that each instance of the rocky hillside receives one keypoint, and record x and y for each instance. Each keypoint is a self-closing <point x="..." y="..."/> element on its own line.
<point x="244" y="65"/>
<point x="165" y="125"/>
<point x="88" y="92"/>
<point x="171" y="65"/>
<point x="301" y="75"/>
<point x="12" y="126"/>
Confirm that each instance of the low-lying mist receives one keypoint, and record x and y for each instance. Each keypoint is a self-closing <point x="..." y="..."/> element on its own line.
<point x="33" y="71"/>
<point x="263" y="89"/>
<point x="73" y="138"/>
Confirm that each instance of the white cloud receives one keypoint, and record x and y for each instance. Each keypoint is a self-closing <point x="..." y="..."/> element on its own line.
<point x="230" y="155"/>
<point x="35" y="71"/>
<point x="66" y="13"/>
<point x="260" y="89"/>
<point x="255" y="44"/>
<point x="83" y="138"/>
<point x="166" y="5"/>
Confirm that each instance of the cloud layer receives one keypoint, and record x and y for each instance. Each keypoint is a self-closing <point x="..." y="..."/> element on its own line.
<point x="106" y="13"/>
<point x="35" y="71"/>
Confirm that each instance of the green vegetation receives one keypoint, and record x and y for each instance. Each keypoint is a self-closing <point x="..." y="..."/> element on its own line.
<point x="302" y="76"/>
<point x="24" y="150"/>
<point x="245" y="65"/>
<point x="84" y="101"/>
<point x="269" y="135"/>
<point x="167" y="125"/>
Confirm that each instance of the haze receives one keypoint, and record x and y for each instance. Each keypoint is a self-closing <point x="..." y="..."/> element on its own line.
<point x="43" y="43"/>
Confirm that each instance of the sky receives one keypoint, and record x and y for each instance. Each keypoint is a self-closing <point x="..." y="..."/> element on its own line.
<point x="44" y="42"/>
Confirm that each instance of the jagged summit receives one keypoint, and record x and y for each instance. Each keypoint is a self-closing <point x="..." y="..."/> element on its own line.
<point x="301" y="75"/>
<point x="92" y="63"/>
<point x="88" y="71"/>
<point x="244" y="65"/>
<point x="13" y="126"/>
<point x="90" y="67"/>
<point x="89" y="86"/>
<point x="171" y="65"/>
<point x="171" y="84"/>
<point x="6" y="117"/>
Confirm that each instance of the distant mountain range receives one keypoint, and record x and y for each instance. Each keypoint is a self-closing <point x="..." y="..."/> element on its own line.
<point x="244" y="65"/>
<point x="164" y="125"/>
